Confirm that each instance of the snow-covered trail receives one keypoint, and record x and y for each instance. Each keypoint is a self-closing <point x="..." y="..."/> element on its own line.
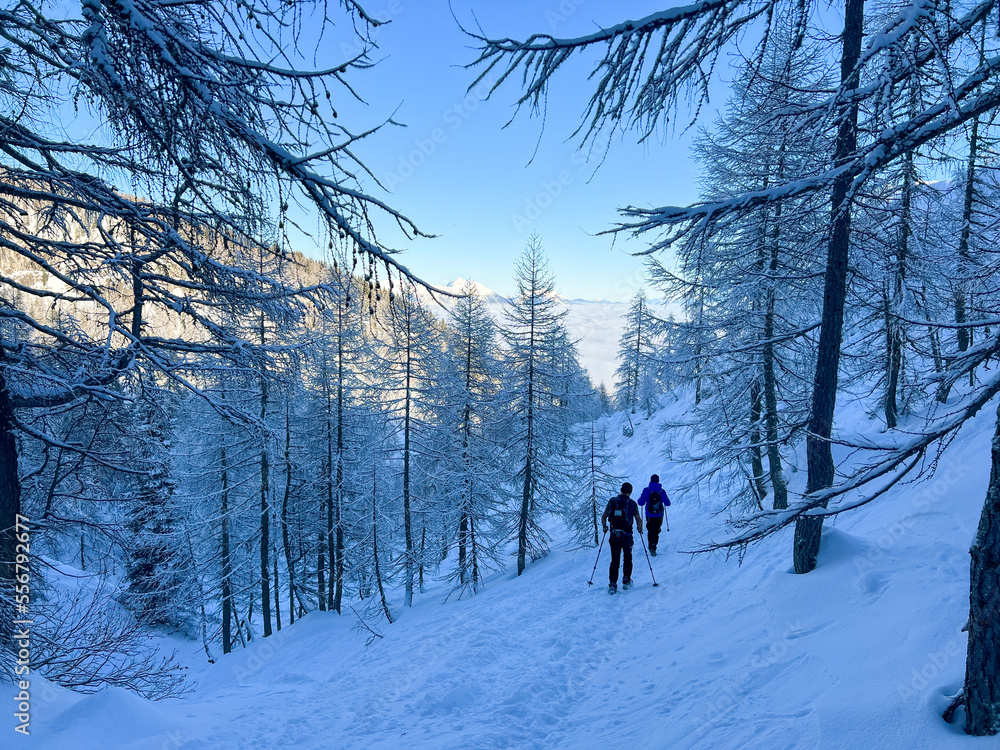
<point x="861" y="653"/>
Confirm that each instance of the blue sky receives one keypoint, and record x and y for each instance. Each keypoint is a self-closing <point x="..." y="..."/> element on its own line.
<point x="482" y="188"/>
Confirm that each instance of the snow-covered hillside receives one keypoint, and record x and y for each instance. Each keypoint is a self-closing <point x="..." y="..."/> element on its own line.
<point x="862" y="653"/>
<point x="596" y="325"/>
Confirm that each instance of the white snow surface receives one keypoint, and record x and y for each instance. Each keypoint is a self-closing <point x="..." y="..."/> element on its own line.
<point x="864" y="652"/>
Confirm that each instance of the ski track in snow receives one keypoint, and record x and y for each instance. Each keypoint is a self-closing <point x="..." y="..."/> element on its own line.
<point x="862" y="653"/>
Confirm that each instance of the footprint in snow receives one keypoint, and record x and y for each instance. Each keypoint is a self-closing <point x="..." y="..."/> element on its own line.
<point x="873" y="583"/>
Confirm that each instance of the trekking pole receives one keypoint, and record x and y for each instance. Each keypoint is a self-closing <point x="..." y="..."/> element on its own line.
<point x="647" y="559"/>
<point x="594" y="571"/>
<point x="665" y="519"/>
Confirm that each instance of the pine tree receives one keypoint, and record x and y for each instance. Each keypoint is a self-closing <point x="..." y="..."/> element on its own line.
<point x="412" y="359"/>
<point x="635" y="347"/>
<point x="158" y="573"/>
<point x="471" y="442"/>
<point x="596" y="484"/>
<point x="533" y="386"/>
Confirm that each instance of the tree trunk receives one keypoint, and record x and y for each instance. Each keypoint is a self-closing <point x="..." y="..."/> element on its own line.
<point x="338" y="570"/>
<point x="526" y="492"/>
<point x="321" y="572"/>
<point x="894" y="326"/>
<point x="286" y="543"/>
<point x="378" y="569"/>
<point x="982" y="664"/>
<point x="964" y="339"/>
<point x="407" y="520"/>
<point x="756" y="460"/>
<point x="474" y="554"/>
<point x="265" y="526"/>
<point x="819" y="455"/>
<point x="423" y="547"/>
<point x="277" y="595"/>
<point x="331" y="542"/>
<point x="265" y="509"/>
<point x="522" y="526"/>
<point x="775" y="470"/>
<point x="464" y="518"/>
<point x="891" y="365"/>
<point x="697" y="348"/>
<point x="338" y="519"/>
<point x="227" y="566"/>
<point x="962" y="300"/>
<point x="463" y="533"/>
<point x="933" y="333"/>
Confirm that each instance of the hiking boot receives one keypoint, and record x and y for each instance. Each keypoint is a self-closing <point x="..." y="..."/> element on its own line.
<point x="612" y="588"/>
<point x="627" y="584"/>
<point x="652" y="551"/>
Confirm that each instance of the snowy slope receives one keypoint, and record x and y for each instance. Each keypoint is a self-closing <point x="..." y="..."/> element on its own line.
<point x="861" y="653"/>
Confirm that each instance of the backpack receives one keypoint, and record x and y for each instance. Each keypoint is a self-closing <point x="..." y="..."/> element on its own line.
<point x="618" y="516"/>
<point x="655" y="505"/>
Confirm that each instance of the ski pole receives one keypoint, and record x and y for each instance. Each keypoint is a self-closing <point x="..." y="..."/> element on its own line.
<point x="647" y="559"/>
<point x="594" y="571"/>
<point x="665" y="519"/>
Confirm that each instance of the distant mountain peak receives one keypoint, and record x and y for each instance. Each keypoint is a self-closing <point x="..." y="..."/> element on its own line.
<point x="458" y="286"/>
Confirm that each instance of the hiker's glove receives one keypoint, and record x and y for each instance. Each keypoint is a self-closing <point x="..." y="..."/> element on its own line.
<point x="605" y="529"/>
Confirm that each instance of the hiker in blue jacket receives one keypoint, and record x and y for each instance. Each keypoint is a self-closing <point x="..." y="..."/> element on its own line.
<point x="620" y="513"/>
<point x="654" y="500"/>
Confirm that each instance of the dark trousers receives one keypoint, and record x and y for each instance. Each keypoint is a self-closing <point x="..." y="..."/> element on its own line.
<point x="620" y="543"/>
<point x="653" y="526"/>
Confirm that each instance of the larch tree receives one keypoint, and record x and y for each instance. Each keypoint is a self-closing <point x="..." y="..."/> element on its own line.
<point x="596" y="483"/>
<point x="159" y="576"/>
<point x="533" y="385"/>
<point x="472" y="445"/>
<point x="635" y="347"/>
<point x="751" y="281"/>
<point x="342" y="335"/>
<point x="409" y="382"/>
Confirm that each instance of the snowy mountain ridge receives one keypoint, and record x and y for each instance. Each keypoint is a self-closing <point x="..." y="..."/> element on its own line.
<point x="596" y="325"/>
<point x="457" y="286"/>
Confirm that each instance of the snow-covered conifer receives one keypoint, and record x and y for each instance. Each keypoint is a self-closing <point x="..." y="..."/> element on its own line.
<point x="471" y="444"/>
<point x="533" y="385"/>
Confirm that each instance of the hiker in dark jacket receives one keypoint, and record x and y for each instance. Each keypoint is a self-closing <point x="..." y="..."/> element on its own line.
<point x="619" y="514"/>
<point x="654" y="500"/>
